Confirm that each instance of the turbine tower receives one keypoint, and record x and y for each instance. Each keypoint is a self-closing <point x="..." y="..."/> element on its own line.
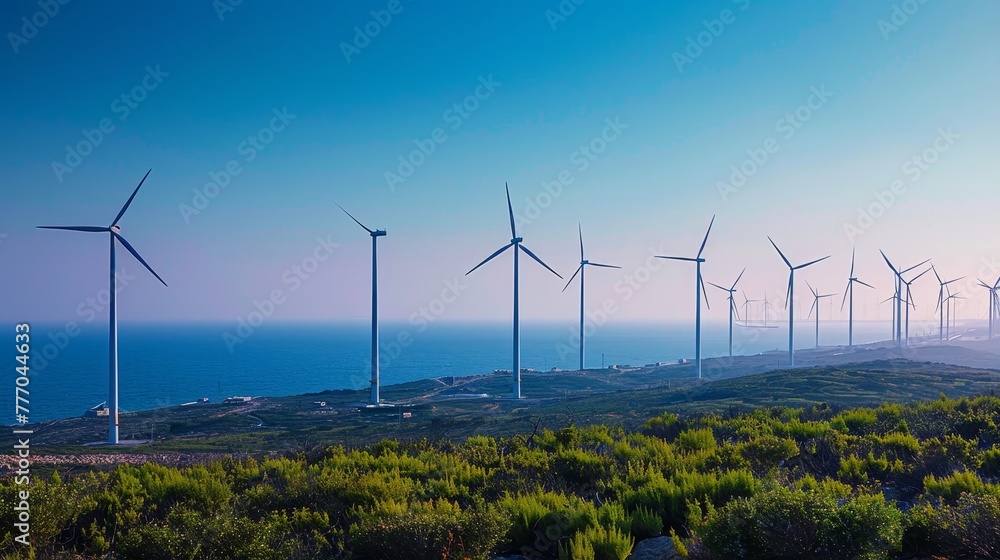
<point x="115" y="235"/>
<point x="699" y="289"/>
<point x="789" y="297"/>
<point x="942" y="289"/>
<point x="732" y="307"/>
<point x="898" y="333"/>
<point x="583" y="264"/>
<point x="849" y="293"/>
<point x="515" y="242"/>
<point x="375" y="234"/>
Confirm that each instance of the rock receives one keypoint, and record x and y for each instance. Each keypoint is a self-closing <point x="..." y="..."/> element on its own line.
<point x="660" y="548"/>
<point x="514" y="557"/>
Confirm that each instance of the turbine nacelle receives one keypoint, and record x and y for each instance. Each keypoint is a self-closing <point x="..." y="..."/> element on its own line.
<point x="517" y="240"/>
<point x="379" y="233"/>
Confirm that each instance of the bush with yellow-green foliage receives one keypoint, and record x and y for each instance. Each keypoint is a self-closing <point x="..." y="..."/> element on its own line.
<point x="886" y="481"/>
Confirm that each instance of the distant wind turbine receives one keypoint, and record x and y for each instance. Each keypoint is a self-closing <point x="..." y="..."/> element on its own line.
<point x="582" y="272"/>
<point x="746" y="307"/>
<point x="699" y="289"/>
<point x="789" y="298"/>
<point x="375" y="234"/>
<point x="815" y="305"/>
<point x="951" y="314"/>
<point x="115" y="235"/>
<point x="992" y="302"/>
<point x="909" y="302"/>
<point x="898" y="333"/>
<point x="515" y="242"/>
<point x="849" y="293"/>
<point x="943" y="290"/>
<point x="732" y="307"/>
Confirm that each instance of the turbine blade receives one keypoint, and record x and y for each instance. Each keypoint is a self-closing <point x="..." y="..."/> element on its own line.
<point x="852" y="262"/>
<point x="705" y="293"/>
<point x="573" y="277"/>
<point x="127" y="203"/>
<point x="581" y="241"/>
<point x="356" y="220"/>
<point x="865" y="284"/>
<point x="912" y="280"/>
<point x="88" y="229"/>
<point x="940" y="299"/>
<point x="814" y="292"/>
<point x="718" y="286"/>
<point x="779" y="252"/>
<point x="936" y="275"/>
<point x="136" y="255"/>
<point x="812" y="262"/>
<point x="959" y="278"/>
<point x="491" y="257"/>
<point x="738" y="279"/>
<point x="847" y="289"/>
<point x="813" y="306"/>
<point x="603" y="265"/>
<point x="538" y="260"/>
<point x="510" y="211"/>
<point x="678" y="258"/>
<point x="914" y="266"/>
<point x="736" y="308"/>
<point x="704" y="241"/>
<point x="788" y="294"/>
<point x="889" y="263"/>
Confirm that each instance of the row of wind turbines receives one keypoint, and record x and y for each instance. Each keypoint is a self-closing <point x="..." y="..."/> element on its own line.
<point x="517" y="244"/>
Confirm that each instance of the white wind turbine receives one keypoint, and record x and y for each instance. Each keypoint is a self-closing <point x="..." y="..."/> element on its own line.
<point x="815" y="305"/>
<point x="849" y="293"/>
<point x="732" y="307"/>
<point x="898" y="313"/>
<point x="115" y="235"/>
<point x="909" y="303"/>
<point x="789" y="298"/>
<point x="942" y="289"/>
<point x="515" y="242"/>
<point x="375" y="234"/>
<point x="699" y="289"/>
<point x="584" y="263"/>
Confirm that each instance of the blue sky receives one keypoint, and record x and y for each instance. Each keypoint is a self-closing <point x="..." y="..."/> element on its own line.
<point x="896" y="83"/>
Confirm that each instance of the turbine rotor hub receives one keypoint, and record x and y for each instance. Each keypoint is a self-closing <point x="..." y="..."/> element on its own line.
<point x="517" y="240"/>
<point x="116" y="228"/>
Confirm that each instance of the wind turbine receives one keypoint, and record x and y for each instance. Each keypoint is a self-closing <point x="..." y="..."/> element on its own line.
<point x="789" y="298"/>
<point x="815" y="305"/>
<point x="951" y="314"/>
<point x="992" y="302"/>
<point x="583" y="264"/>
<point x="115" y="235"/>
<point x="943" y="287"/>
<point x="909" y="303"/>
<point x="699" y="289"/>
<point x="746" y="307"/>
<point x="375" y="234"/>
<point x="849" y="293"/>
<point x="515" y="242"/>
<point x="732" y="307"/>
<point x="899" y="295"/>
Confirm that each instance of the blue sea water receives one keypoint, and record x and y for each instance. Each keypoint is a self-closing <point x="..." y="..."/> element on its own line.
<point x="170" y="364"/>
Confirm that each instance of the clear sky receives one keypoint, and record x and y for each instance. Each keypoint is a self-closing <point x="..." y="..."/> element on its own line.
<point x="643" y="109"/>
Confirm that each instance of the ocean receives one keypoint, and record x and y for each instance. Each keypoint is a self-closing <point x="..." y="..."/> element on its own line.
<point x="170" y="364"/>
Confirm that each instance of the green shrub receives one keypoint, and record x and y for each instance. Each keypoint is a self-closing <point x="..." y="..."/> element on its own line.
<point x="645" y="524"/>
<point x="597" y="543"/>
<point x="696" y="440"/>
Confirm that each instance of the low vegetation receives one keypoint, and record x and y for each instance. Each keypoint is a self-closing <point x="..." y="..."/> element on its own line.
<point x="879" y="482"/>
